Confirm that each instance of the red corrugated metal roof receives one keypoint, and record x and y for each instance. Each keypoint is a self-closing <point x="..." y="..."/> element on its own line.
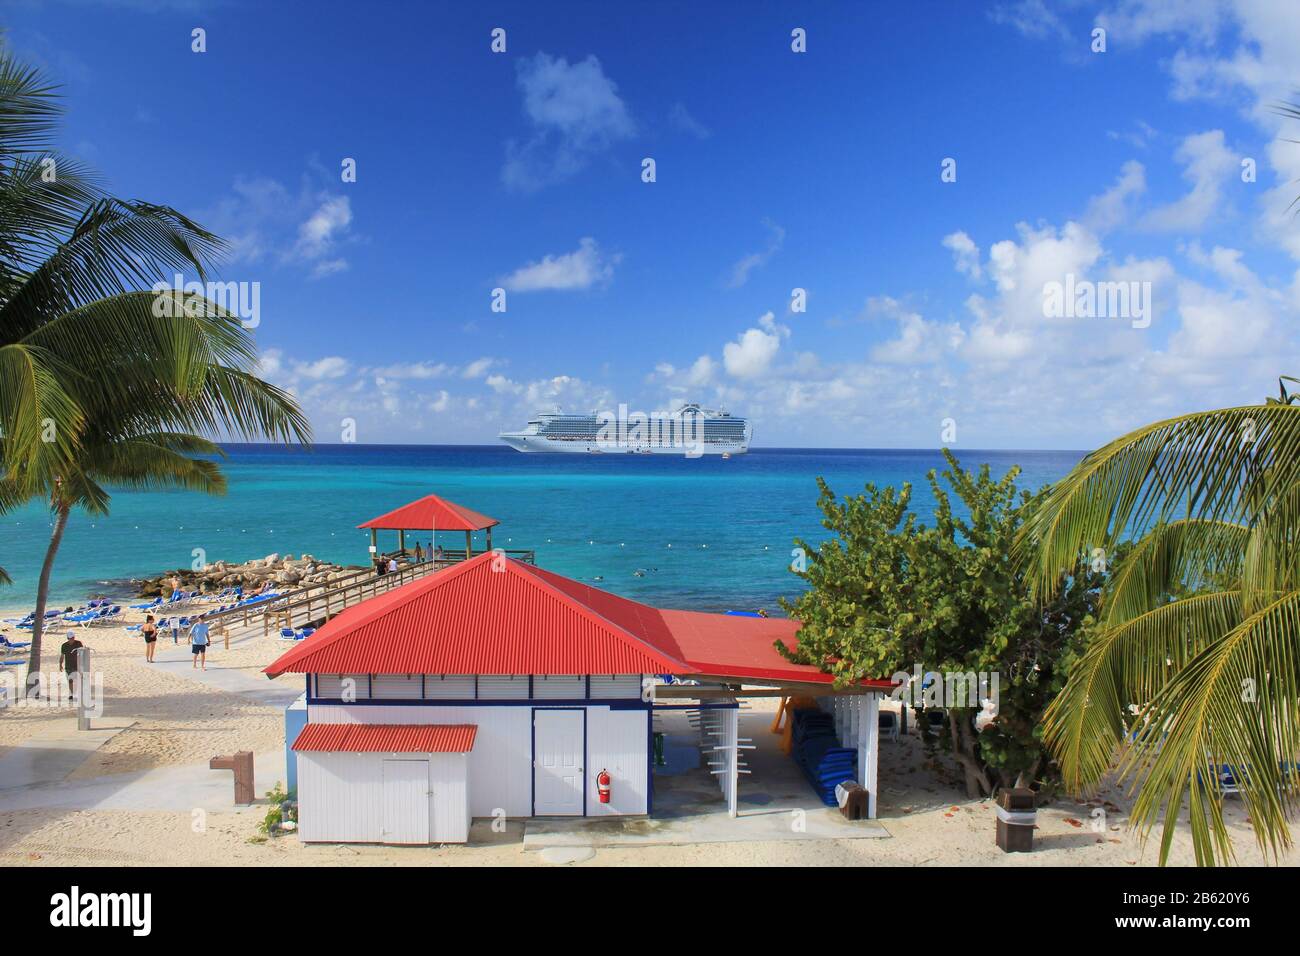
<point x="431" y="513"/>
<point x="496" y="615"/>
<point x="388" y="738"/>
<point x="488" y="615"/>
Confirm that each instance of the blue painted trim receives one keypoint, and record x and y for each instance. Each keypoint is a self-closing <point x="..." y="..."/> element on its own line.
<point x="621" y="704"/>
<point x="649" y="762"/>
<point x="585" y="768"/>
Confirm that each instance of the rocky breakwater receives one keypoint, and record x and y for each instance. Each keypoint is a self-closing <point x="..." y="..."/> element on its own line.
<point x="284" y="572"/>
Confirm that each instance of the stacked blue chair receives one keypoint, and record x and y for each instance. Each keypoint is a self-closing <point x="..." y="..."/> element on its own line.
<point x="817" y="751"/>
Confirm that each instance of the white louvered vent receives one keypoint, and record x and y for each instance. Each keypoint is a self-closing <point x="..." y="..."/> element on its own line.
<point x="449" y="687"/>
<point x="503" y="687"/>
<point x="396" y="687"/>
<point x="336" y="686"/>
<point x="559" y="687"/>
<point x="616" y="687"/>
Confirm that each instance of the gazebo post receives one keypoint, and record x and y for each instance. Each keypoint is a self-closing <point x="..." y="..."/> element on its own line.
<point x="374" y="544"/>
<point x="401" y="541"/>
<point x="469" y="544"/>
<point x="489" y="539"/>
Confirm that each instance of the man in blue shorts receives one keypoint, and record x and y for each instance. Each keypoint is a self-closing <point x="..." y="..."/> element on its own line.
<point x="199" y="644"/>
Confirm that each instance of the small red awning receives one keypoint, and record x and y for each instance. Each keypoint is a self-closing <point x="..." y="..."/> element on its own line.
<point x="388" y="738"/>
<point x="431" y="513"/>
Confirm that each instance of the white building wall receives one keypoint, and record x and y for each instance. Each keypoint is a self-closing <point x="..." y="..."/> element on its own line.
<point x="341" y="797"/>
<point x="618" y="741"/>
<point x="501" y="764"/>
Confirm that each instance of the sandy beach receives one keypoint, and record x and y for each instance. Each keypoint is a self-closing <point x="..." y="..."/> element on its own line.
<point x="112" y="808"/>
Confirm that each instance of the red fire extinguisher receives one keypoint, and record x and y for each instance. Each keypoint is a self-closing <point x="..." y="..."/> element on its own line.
<point x="602" y="785"/>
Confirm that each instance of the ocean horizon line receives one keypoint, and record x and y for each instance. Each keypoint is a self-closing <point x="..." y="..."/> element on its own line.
<point x="479" y="446"/>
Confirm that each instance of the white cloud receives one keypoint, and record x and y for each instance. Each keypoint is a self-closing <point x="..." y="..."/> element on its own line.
<point x="741" y="270"/>
<point x="580" y="269"/>
<point x="478" y="368"/>
<point x="752" y="353"/>
<point x="1209" y="166"/>
<point x="965" y="254"/>
<point x="918" y="342"/>
<point x="1113" y="207"/>
<point x="575" y="112"/>
<point x="684" y="121"/>
<point x="261" y="220"/>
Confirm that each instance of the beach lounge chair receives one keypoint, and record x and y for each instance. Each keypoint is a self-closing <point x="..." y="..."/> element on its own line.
<point x="144" y="607"/>
<point x="889" y="725"/>
<point x="14" y="645"/>
<point x="935" y="720"/>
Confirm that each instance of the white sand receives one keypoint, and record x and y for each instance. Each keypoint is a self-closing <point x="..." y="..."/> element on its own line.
<point x="177" y="721"/>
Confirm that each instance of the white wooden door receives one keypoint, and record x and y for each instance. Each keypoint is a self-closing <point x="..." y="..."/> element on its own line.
<point x="406" y="801"/>
<point x="557" y="762"/>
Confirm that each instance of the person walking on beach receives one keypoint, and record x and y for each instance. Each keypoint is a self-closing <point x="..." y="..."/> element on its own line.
<point x="70" y="659"/>
<point x="150" y="631"/>
<point x="199" y="644"/>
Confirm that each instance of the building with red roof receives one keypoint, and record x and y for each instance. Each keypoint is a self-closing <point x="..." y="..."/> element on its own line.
<point x="521" y="691"/>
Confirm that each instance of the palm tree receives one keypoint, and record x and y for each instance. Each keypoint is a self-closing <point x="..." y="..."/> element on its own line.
<point x="98" y="384"/>
<point x="1196" y="663"/>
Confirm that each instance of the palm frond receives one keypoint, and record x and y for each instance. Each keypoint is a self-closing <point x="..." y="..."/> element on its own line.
<point x="1125" y="666"/>
<point x="1184" y="554"/>
<point x="1221" y="465"/>
<point x="1232" y="705"/>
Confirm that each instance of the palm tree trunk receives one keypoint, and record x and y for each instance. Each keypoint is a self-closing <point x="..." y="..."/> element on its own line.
<point x="42" y="595"/>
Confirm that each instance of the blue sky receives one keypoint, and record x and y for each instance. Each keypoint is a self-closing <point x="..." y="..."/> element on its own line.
<point x="775" y="170"/>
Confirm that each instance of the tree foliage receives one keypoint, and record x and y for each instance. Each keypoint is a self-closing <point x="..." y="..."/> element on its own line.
<point x="890" y="594"/>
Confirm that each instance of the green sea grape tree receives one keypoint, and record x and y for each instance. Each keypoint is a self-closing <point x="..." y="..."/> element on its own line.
<point x="890" y="594"/>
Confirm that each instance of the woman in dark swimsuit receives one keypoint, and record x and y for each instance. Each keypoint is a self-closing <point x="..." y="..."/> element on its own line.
<point x="150" y="632"/>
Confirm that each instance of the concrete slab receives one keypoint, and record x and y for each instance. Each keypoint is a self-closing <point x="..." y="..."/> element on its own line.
<point x="233" y="680"/>
<point x="775" y="801"/>
<point x="180" y="788"/>
<point x="48" y="756"/>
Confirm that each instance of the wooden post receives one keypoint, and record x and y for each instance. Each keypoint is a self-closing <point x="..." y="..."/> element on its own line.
<point x="374" y="545"/>
<point x="489" y="539"/>
<point x="401" y="541"/>
<point x="469" y="544"/>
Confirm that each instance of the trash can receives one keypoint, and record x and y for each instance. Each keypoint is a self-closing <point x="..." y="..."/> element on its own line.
<point x="852" y="799"/>
<point x="1017" y="818"/>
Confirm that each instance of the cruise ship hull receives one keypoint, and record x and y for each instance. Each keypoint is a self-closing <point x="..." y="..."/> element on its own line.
<point x="544" y="445"/>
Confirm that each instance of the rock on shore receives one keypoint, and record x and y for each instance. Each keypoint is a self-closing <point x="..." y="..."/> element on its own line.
<point x="281" y="570"/>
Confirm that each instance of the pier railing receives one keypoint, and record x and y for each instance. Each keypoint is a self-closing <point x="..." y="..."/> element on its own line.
<point x="321" y="601"/>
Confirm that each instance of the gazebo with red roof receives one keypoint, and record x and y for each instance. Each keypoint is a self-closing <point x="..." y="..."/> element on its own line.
<point x="433" y="514"/>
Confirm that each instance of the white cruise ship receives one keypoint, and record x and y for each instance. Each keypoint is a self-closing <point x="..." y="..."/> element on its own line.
<point x="691" y="430"/>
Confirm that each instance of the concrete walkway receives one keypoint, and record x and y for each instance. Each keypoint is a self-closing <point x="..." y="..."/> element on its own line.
<point x="49" y="755"/>
<point x="232" y="680"/>
<point x="187" y="787"/>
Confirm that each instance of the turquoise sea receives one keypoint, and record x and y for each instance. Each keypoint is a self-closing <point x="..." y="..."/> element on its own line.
<point x="705" y="533"/>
